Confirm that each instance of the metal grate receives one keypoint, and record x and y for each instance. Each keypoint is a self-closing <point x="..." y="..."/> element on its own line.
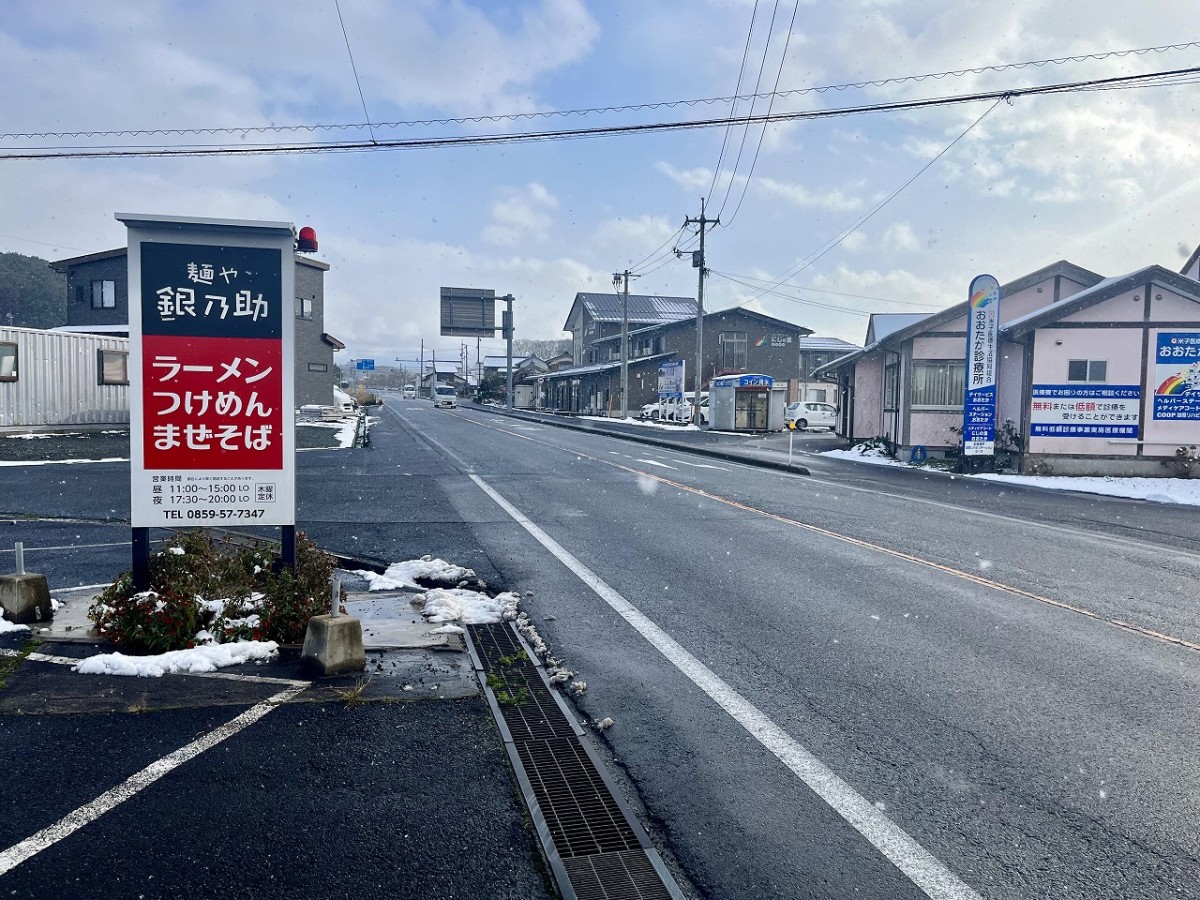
<point x="628" y="875"/>
<point x="592" y="840"/>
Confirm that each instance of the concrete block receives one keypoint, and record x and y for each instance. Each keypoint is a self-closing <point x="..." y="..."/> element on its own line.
<point x="333" y="646"/>
<point x="25" y="599"/>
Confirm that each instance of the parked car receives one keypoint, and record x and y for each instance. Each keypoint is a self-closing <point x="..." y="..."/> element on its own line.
<point x="666" y="409"/>
<point x="810" y="415"/>
<point x="444" y="396"/>
<point x="410" y="392"/>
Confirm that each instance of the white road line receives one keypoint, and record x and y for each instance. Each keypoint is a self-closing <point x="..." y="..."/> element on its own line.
<point x="651" y="462"/>
<point x="698" y="465"/>
<point x="917" y="863"/>
<point x="110" y="799"/>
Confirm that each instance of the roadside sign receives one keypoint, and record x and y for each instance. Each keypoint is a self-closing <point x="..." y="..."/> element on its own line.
<point x="979" y="406"/>
<point x="365" y="365"/>
<point x="671" y="380"/>
<point x="211" y="372"/>
<point x="468" y="312"/>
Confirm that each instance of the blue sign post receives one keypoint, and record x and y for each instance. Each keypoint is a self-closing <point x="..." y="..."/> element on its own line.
<point x="365" y="365"/>
<point x="979" y="403"/>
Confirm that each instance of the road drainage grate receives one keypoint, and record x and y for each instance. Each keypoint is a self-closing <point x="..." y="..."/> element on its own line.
<point x="595" y="847"/>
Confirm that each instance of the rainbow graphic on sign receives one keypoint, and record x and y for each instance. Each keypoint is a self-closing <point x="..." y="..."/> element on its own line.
<point x="985" y="295"/>
<point x="762" y="340"/>
<point x="1180" y="382"/>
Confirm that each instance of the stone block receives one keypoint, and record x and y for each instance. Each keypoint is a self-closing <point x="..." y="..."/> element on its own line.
<point x="333" y="645"/>
<point x="25" y="599"/>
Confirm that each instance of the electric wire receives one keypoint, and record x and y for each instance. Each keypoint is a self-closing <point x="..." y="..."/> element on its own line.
<point x="818" y="290"/>
<point x="353" y="68"/>
<point x="736" y="90"/>
<point x="762" y="134"/>
<point x="762" y="64"/>
<point x="599" y="110"/>
<point x="1008" y="94"/>
<point x="862" y="220"/>
<point x="783" y="296"/>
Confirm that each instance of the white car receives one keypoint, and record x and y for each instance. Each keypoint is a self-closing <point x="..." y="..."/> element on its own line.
<point x="445" y="397"/>
<point x="810" y="415"/>
<point x="410" y="392"/>
<point x="674" y="410"/>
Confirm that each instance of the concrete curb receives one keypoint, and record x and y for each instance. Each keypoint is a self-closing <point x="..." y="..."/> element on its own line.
<point x="570" y="425"/>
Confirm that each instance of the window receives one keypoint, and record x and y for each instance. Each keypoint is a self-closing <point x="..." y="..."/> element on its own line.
<point x="318" y="367"/>
<point x="1087" y="370"/>
<point x="733" y="349"/>
<point x="816" y="360"/>
<point x="114" y="367"/>
<point x="304" y="308"/>
<point x="104" y="294"/>
<point x="938" y="385"/>
<point x="8" y="362"/>
<point x="891" y="386"/>
<point x="820" y="395"/>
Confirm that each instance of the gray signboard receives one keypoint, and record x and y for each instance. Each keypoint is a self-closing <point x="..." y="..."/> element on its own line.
<point x="468" y="312"/>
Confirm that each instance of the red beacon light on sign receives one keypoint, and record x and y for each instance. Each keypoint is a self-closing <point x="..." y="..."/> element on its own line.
<point x="306" y="241"/>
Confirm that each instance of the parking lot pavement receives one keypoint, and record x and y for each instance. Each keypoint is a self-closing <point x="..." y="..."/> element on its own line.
<point x="396" y="786"/>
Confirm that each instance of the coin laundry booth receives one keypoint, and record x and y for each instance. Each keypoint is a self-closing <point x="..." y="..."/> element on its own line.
<point x="745" y="403"/>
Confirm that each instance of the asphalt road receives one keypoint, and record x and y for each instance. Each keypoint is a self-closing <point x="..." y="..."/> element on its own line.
<point x="999" y="674"/>
<point x="993" y="684"/>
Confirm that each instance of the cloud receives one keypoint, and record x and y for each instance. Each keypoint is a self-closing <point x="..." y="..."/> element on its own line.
<point x="801" y="196"/>
<point x="521" y="217"/>
<point x="900" y="237"/>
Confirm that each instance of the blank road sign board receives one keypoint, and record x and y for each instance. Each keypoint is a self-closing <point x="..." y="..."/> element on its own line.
<point x="468" y="312"/>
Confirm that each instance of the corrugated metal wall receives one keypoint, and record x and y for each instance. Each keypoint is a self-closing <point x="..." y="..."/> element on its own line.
<point x="59" y="382"/>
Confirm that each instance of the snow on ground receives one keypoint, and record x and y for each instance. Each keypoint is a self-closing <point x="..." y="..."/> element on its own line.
<point x="40" y="436"/>
<point x="6" y="626"/>
<point x="645" y="423"/>
<point x="404" y="574"/>
<point x="60" y="462"/>
<point x="346" y="429"/>
<point x="455" y="605"/>
<point x="197" y="660"/>
<point x="1157" y="490"/>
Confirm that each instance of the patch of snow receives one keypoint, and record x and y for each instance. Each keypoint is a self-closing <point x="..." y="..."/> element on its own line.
<point x="208" y="658"/>
<point x="456" y="605"/>
<point x="178" y="551"/>
<point x="404" y="574"/>
<point x="7" y="626"/>
<point x="1158" y="490"/>
<point x="448" y="629"/>
<point x="644" y="423"/>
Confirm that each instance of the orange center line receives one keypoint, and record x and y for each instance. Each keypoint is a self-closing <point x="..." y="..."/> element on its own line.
<point x="866" y="545"/>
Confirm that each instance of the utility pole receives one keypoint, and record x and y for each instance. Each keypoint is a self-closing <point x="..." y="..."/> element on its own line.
<point x="624" y="277"/>
<point x="478" y="363"/>
<point x="508" y="334"/>
<point x="698" y="263"/>
<point x="421" y="374"/>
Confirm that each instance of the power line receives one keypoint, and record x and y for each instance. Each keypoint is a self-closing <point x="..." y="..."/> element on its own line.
<point x="585" y="133"/>
<point x="757" y="85"/>
<point x="818" y="290"/>
<point x="762" y="134"/>
<point x="733" y="109"/>
<point x="782" y="296"/>
<point x="353" y="68"/>
<point x="598" y="110"/>
<point x="862" y="220"/>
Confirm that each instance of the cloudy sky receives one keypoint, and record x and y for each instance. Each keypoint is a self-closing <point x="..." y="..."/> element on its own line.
<point x="1104" y="178"/>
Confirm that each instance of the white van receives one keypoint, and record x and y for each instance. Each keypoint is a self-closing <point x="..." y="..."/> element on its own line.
<point x="410" y="392"/>
<point x="444" y="396"/>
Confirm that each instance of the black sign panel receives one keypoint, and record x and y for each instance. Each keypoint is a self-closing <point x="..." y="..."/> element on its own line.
<point x="211" y="291"/>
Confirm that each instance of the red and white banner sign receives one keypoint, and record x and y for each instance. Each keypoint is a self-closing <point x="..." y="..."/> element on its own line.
<point x="211" y="346"/>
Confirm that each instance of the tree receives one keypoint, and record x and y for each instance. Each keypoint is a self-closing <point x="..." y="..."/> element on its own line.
<point x="492" y="387"/>
<point x="543" y="349"/>
<point x="33" y="294"/>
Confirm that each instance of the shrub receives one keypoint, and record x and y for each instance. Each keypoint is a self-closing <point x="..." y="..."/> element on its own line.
<point x="1184" y="463"/>
<point x="236" y="594"/>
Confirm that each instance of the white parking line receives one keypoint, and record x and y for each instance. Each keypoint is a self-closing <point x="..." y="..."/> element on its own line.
<point x="918" y="864"/>
<point x="110" y="799"/>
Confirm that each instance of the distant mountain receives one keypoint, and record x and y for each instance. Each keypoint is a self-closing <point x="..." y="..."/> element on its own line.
<point x="31" y="292"/>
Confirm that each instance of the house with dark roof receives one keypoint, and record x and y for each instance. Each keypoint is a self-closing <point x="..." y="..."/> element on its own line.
<point x="815" y="352"/>
<point x="594" y="317"/>
<point x="1096" y="375"/>
<point x="98" y="303"/>
<point x="736" y="341"/>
